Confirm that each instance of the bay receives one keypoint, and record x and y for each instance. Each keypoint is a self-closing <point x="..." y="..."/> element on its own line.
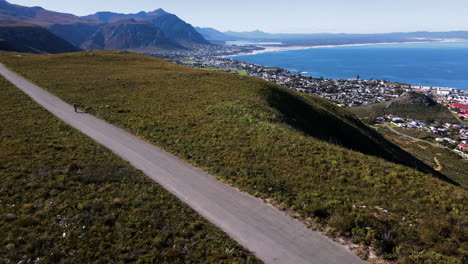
<point x="437" y="64"/>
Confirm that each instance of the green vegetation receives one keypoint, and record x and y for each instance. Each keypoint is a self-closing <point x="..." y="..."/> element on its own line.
<point x="214" y="69"/>
<point x="242" y="72"/>
<point x="65" y="199"/>
<point x="438" y="112"/>
<point x="452" y="164"/>
<point x="273" y="143"/>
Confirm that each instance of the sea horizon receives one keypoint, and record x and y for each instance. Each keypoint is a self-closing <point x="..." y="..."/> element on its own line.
<point x="436" y="64"/>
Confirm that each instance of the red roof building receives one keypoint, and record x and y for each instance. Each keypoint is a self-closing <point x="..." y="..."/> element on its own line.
<point x="460" y="106"/>
<point x="463" y="146"/>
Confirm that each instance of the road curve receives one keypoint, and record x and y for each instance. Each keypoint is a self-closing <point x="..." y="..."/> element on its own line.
<point x="270" y="234"/>
<point x="412" y="138"/>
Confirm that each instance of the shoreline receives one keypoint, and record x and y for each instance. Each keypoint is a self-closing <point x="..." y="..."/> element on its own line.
<point x="268" y="49"/>
<point x="271" y="49"/>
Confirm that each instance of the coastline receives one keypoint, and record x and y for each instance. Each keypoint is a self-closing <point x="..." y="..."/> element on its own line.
<point x="274" y="49"/>
<point x="268" y="49"/>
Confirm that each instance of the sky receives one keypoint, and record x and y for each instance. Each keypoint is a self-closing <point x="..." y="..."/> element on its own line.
<point x="289" y="16"/>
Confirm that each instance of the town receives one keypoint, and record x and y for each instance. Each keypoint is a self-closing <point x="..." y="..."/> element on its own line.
<point x="344" y="92"/>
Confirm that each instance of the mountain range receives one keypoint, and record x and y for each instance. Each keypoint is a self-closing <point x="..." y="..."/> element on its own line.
<point x="144" y="31"/>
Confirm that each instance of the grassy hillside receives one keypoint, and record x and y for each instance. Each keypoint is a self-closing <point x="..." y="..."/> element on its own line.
<point x="438" y="112"/>
<point x="271" y="142"/>
<point x="65" y="199"/>
<point x="448" y="162"/>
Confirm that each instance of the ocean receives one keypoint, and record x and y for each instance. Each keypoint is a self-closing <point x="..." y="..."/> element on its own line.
<point x="443" y="64"/>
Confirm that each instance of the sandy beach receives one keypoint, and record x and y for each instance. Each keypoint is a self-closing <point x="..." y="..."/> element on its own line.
<point x="289" y="48"/>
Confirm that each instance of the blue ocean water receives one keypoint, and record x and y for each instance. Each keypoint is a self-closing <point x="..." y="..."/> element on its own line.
<point x="428" y="64"/>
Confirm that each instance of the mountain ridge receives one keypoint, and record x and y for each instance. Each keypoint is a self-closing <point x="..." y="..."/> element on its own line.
<point x="171" y="25"/>
<point x="129" y="35"/>
<point x="107" y="16"/>
<point x="25" y="37"/>
<point x="80" y="31"/>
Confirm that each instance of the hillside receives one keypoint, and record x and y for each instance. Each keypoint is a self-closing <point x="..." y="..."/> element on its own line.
<point x="445" y="160"/>
<point x="24" y="37"/>
<point x="174" y="28"/>
<point x="76" y="33"/>
<point x="271" y="142"/>
<point x="129" y="35"/>
<point x="178" y="30"/>
<point x="66" y="199"/>
<point x="72" y="28"/>
<point x="36" y="15"/>
<point x="410" y="105"/>
<point x="214" y="35"/>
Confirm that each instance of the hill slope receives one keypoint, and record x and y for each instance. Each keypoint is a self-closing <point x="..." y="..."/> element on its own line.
<point x="214" y="35"/>
<point x="409" y="105"/>
<point x="72" y="28"/>
<point x="173" y="27"/>
<point x="36" y="15"/>
<point x="178" y="30"/>
<point x="271" y="142"/>
<point x="129" y="35"/>
<point x="66" y="199"/>
<point x="25" y="37"/>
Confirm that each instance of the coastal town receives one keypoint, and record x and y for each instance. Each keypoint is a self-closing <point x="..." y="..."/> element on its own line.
<point x="344" y="92"/>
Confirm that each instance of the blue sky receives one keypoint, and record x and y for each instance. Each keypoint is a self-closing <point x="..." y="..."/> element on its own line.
<point x="290" y="16"/>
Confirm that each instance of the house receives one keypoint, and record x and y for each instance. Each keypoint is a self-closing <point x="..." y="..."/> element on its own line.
<point x="462" y="107"/>
<point x="380" y="120"/>
<point x="444" y="90"/>
<point x="443" y="130"/>
<point x="415" y="122"/>
<point x="451" y="141"/>
<point x="452" y="126"/>
<point x="463" y="147"/>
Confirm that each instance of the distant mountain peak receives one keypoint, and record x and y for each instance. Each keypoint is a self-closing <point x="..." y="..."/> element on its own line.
<point x="112" y="17"/>
<point x="37" y="8"/>
<point x="160" y="11"/>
